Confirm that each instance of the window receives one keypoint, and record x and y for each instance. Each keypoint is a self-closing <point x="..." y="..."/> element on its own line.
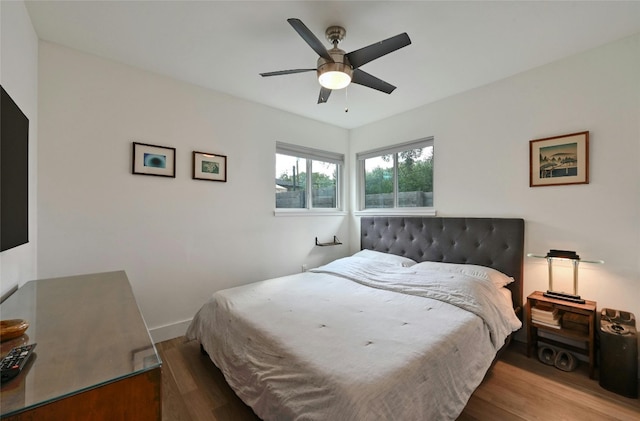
<point x="399" y="176"/>
<point x="296" y="190"/>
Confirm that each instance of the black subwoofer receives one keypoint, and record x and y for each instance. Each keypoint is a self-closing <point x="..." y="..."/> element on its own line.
<point x="618" y="352"/>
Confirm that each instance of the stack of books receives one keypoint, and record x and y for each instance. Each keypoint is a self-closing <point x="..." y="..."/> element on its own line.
<point x="545" y="316"/>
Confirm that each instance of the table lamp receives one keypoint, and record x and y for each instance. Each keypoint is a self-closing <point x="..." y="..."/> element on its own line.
<point x="575" y="260"/>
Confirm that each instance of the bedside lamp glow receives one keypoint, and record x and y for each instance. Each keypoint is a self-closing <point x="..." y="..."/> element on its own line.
<point x="575" y="261"/>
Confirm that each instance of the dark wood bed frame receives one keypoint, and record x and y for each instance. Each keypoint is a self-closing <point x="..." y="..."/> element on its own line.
<point x="493" y="242"/>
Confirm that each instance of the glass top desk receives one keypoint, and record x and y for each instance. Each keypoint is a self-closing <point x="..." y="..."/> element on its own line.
<point x="93" y="356"/>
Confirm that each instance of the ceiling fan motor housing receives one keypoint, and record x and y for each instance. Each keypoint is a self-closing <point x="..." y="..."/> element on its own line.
<point x="340" y="63"/>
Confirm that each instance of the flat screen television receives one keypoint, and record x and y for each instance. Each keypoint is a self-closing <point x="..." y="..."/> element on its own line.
<point x="14" y="174"/>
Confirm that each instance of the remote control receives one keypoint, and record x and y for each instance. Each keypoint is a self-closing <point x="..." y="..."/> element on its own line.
<point x="13" y="363"/>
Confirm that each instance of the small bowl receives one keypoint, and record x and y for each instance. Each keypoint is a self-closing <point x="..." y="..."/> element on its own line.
<point x="12" y="328"/>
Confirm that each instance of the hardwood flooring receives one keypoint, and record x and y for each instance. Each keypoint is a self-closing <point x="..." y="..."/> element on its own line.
<point x="518" y="388"/>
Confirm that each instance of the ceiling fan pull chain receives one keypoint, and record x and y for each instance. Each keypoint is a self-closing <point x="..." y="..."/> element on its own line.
<point x="346" y="99"/>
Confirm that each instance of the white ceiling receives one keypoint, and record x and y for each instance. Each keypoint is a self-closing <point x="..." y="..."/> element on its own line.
<point x="223" y="45"/>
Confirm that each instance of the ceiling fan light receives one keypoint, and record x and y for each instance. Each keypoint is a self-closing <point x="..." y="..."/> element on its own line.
<point x="334" y="75"/>
<point x="334" y="79"/>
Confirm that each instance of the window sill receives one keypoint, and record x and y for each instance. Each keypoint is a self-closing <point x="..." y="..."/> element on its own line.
<point x="308" y="212"/>
<point x="396" y="212"/>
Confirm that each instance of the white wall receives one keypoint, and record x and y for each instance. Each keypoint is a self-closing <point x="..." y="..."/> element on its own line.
<point x="179" y="240"/>
<point x="482" y="163"/>
<point x="19" y="77"/>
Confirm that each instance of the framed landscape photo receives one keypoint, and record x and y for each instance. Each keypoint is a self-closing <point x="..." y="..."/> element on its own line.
<point x="154" y="160"/>
<point x="559" y="160"/>
<point x="209" y="166"/>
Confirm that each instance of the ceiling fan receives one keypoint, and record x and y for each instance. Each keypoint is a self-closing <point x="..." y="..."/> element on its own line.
<point x="337" y="69"/>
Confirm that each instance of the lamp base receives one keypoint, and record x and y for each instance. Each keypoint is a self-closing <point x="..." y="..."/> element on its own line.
<point x="564" y="296"/>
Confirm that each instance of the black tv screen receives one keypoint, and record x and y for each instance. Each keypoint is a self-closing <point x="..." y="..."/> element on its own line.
<point x="14" y="174"/>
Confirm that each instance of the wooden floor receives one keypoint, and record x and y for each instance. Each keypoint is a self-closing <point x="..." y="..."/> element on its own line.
<point x="518" y="388"/>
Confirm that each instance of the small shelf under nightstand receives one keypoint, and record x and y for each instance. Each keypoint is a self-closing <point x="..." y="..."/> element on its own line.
<point x="586" y="336"/>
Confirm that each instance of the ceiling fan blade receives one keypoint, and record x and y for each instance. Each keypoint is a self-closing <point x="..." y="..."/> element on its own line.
<point x="364" y="55"/>
<point x="286" y="72"/>
<point x="365" y="79"/>
<point x="324" y="95"/>
<point x="310" y="39"/>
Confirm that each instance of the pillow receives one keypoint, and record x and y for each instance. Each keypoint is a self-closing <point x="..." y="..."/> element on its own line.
<point x="385" y="257"/>
<point x="496" y="277"/>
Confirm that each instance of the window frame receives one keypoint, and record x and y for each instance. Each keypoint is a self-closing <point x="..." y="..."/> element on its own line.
<point x="390" y="150"/>
<point x="310" y="155"/>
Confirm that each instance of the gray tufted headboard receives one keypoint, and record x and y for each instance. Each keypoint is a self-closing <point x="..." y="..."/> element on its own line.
<point x="494" y="242"/>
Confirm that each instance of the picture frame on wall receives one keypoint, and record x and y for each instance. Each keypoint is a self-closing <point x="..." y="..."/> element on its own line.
<point x="154" y="160"/>
<point x="209" y="166"/>
<point x="559" y="160"/>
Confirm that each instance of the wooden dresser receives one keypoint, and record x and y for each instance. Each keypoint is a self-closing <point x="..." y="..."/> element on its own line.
<point x="94" y="357"/>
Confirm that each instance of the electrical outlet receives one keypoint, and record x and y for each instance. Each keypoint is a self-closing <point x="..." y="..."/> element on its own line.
<point x="304" y="267"/>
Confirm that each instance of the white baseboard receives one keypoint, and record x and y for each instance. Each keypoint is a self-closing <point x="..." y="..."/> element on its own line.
<point x="164" y="333"/>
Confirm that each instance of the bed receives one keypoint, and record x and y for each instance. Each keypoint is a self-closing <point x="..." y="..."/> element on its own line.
<point x="404" y="329"/>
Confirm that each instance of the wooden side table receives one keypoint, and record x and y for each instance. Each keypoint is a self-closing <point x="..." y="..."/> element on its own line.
<point x="586" y="336"/>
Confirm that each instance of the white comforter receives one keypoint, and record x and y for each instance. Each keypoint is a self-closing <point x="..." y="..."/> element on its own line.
<point x="356" y="340"/>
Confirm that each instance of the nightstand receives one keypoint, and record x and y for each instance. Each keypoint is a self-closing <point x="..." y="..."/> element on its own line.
<point x="568" y="329"/>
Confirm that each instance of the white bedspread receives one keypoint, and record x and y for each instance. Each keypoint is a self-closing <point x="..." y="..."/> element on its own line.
<point x="355" y="341"/>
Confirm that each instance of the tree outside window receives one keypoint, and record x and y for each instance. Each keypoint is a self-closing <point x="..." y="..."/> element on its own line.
<point x="403" y="178"/>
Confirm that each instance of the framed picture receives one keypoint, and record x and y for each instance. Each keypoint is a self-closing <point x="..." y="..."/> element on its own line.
<point x="154" y="160"/>
<point x="208" y="166"/>
<point x="559" y="160"/>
